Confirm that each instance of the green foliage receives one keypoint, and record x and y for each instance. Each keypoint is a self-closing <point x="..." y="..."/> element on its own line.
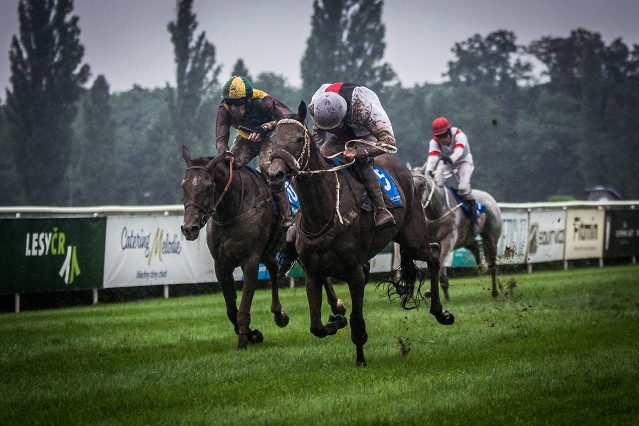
<point x="240" y="69"/>
<point x="277" y="86"/>
<point x="189" y="104"/>
<point x="553" y="348"/>
<point x="46" y="81"/>
<point x="346" y="44"/>
<point x="529" y="141"/>
<point x="91" y="171"/>
<point x="10" y="185"/>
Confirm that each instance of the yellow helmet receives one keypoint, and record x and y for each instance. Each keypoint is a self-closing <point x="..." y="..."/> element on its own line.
<point x="237" y="88"/>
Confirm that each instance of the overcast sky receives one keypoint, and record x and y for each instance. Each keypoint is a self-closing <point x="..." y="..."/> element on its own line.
<point x="127" y="40"/>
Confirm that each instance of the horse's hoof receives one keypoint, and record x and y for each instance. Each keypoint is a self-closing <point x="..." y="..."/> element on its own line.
<point x="281" y="319"/>
<point x="331" y="328"/>
<point x="242" y="342"/>
<point x="339" y="320"/>
<point x="361" y="363"/>
<point x="446" y="318"/>
<point x="339" y="308"/>
<point x="256" y="336"/>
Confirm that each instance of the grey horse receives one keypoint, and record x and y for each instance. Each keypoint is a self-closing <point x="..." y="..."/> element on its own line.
<point x="447" y="224"/>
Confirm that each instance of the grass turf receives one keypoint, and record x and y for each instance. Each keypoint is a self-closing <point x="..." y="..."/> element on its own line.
<point x="553" y="348"/>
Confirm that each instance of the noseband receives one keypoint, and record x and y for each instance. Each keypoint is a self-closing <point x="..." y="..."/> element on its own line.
<point x="206" y="213"/>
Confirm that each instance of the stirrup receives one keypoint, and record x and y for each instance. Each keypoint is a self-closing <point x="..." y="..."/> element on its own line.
<point x="286" y="262"/>
<point x="383" y="219"/>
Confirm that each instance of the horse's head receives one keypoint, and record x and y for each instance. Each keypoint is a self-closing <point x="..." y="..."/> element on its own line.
<point x="290" y="146"/>
<point x="419" y="179"/>
<point x="198" y="187"/>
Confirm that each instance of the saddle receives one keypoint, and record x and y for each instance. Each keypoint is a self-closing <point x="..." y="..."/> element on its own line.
<point x="480" y="207"/>
<point x="392" y="197"/>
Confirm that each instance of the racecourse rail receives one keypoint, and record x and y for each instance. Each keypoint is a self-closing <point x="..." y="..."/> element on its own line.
<point x="51" y="249"/>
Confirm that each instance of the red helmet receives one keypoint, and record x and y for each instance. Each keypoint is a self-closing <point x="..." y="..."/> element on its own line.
<point x="440" y="126"/>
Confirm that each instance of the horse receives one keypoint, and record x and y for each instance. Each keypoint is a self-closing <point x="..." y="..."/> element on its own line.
<point x="243" y="231"/>
<point x="449" y="225"/>
<point x="335" y="238"/>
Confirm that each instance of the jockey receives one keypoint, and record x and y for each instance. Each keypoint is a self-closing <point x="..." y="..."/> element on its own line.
<point x="244" y="107"/>
<point x="450" y="146"/>
<point x="343" y="112"/>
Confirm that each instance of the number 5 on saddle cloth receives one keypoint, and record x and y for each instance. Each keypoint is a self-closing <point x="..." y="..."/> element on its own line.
<point x="392" y="196"/>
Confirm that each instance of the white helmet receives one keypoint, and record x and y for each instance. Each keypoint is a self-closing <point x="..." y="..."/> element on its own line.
<point x="330" y="109"/>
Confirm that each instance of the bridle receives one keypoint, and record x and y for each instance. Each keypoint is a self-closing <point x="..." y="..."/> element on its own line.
<point x="206" y="213"/>
<point x="426" y="203"/>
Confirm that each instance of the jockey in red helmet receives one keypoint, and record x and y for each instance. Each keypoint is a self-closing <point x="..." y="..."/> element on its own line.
<point x="450" y="146"/>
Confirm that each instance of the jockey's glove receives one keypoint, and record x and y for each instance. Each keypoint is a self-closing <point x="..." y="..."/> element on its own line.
<point x="446" y="159"/>
<point x="263" y="129"/>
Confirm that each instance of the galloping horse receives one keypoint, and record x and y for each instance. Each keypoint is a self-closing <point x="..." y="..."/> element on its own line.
<point x="242" y="231"/>
<point x="447" y="224"/>
<point x="335" y="238"/>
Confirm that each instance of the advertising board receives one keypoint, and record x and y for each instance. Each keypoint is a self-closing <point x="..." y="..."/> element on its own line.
<point x="150" y="250"/>
<point x="51" y="254"/>
<point x="584" y="234"/>
<point x="546" y="236"/>
<point x="513" y="242"/>
<point x="622" y="233"/>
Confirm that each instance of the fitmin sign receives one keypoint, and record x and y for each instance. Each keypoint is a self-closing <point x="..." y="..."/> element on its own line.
<point x="584" y="234"/>
<point x="151" y="250"/>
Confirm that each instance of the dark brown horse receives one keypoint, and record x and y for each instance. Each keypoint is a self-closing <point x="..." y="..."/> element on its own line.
<point x="243" y="231"/>
<point x="336" y="238"/>
<point x="448" y="225"/>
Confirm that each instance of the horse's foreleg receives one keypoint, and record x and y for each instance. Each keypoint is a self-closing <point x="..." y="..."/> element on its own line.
<point x="281" y="316"/>
<point x="359" y="337"/>
<point x="246" y="335"/>
<point x="225" y="279"/>
<point x="436" y="309"/>
<point x="490" y="251"/>
<point x="446" y="247"/>
<point x="314" y="286"/>
<point x="336" y="304"/>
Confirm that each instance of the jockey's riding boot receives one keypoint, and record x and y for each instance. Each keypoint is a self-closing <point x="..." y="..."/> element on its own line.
<point x="383" y="218"/>
<point x="285" y="210"/>
<point x="474" y="218"/>
<point x="288" y="255"/>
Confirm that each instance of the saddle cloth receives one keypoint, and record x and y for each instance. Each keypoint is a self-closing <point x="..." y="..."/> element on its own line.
<point x="481" y="208"/>
<point x="392" y="197"/>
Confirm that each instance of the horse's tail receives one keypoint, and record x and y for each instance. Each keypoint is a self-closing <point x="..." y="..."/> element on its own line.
<point x="406" y="283"/>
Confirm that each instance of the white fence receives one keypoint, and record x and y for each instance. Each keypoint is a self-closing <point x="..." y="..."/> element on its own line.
<point x="144" y="246"/>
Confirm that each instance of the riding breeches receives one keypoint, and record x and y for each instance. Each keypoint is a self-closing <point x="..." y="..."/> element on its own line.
<point x="244" y="150"/>
<point x="464" y="173"/>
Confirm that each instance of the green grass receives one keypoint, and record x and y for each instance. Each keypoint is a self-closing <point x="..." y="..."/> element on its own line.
<point x="554" y="348"/>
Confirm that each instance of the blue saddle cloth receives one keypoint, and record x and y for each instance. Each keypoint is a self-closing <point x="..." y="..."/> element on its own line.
<point x="293" y="201"/>
<point x="481" y="208"/>
<point x="386" y="182"/>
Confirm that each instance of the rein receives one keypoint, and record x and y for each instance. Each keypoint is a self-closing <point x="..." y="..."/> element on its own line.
<point x="430" y="196"/>
<point x="209" y="213"/>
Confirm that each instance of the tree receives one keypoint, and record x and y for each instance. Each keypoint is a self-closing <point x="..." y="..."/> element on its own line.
<point x="240" y="69"/>
<point x="346" y="44"/>
<point x="92" y="171"/>
<point x="603" y="81"/>
<point x="189" y="106"/>
<point x="10" y="188"/>
<point x="494" y="61"/>
<point x="46" y="80"/>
